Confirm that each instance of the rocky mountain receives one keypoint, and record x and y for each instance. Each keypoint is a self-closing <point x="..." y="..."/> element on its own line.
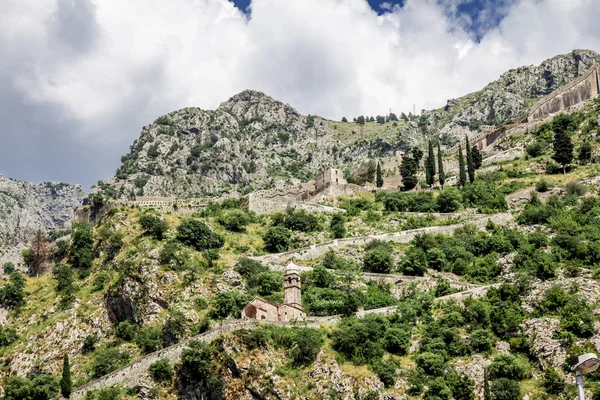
<point x="253" y="141"/>
<point x="26" y="207"/>
<point x="507" y="98"/>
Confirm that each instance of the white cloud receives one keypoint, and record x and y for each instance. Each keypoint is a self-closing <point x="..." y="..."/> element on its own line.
<point x="111" y="66"/>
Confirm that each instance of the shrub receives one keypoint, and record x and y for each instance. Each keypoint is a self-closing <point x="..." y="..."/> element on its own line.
<point x="197" y="234"/>
<point x="432" y="364"/>
<point x="360" y="340"/>
<point x="228" y="303"/>
<point x="505" y="389"/>
<point x="509" y="366"/>
<point x="153" y="226"/>
<point x="250" y="270"/>
<point x="553" y="381"/>
<point x="306" y="345"/>
<point x="81" y="251"/>
<point x="482" y="340"/>
<point x="9" y="268"/>
<point x="543" y="185"/>
<point x="300" y="221"/>
<point x="326" y="301"/>
<point x="414" y="262"/>
<point x="397" y="341"/>
<point x="161" y="370"/>
<point x="126" y="331"/>
<point x="378" y="260"/>
<point x="269" y="282"/>
<point x="12" y="294"/>
<point x="7" y="336"/>
<point x="196" y="373"/>
<point x="338" y="226"/>
<point x="200" y="302"/>
<point x="386" y="371"/>
<point x="575" y="188"/>
<point x="535" y="149"/>
<point x="107" y="360"/>
<point x="234" y="220"/>
<point x="277" y="239"/>
<point x="89" y="343"/>
<point x="258" y="338"/>
<point x="378" y="296"/>
<point x="149" y="339"/>
<point x="484" y="196"/>
<point x="40" y="387"/>
<point x="449" y="200"/>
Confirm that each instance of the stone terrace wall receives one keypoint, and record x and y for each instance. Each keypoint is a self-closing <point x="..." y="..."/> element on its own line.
<point x="317" y="250"/>
<point x="580" y="90"/>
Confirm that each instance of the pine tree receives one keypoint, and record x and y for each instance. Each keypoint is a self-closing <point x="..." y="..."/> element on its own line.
<point x="379" y="180"/>
<point x="477" y="157"/>
<point x="430" y="165"/>
<point x="470" y="167"/>
<point x="408" y="171"/>
<point x="66" y="385"/>
<point x="462" y="175"/>
<point x="417" y="155"/>
<point x="563" y="149"/>
<point x="442" y="175"/>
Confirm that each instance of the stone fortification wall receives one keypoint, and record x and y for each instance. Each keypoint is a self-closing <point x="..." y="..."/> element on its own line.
<point x="317" y="250"/>
<point x="578" y="91"/>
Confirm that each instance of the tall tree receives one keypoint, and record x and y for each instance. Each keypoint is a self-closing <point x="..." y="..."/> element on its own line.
<point x="430" y="165"/>
<point x="379" y="180"/>
<point x="477" y="157"/>
<point x="563" y="149"/>
<point x="417" y="155"/>
<point x="441" y="174"/>
<point x="66" y="385"/>
<point x="462" y="174"/>
<point x="39" y="253"/>
<point x="470" y="167"/>
<point x="408" y="171"/>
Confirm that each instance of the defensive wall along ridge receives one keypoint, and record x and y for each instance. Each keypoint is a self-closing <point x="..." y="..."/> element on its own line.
<point x="135" y="373"/>
<point x="317" y="250"/>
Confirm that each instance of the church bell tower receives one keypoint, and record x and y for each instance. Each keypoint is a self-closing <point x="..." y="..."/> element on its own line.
<point x="293" y="296"/>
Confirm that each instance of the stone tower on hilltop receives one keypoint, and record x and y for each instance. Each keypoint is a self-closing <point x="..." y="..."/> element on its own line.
<point x="291" y="283"/>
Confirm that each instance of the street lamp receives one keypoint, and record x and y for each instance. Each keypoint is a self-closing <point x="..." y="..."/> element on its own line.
<point x="585" y="364"/>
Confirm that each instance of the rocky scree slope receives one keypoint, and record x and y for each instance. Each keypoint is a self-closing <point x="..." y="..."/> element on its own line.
<point x="249" y="142"/>
<point x="26" y="208"/>
<point x="507" y="98"/>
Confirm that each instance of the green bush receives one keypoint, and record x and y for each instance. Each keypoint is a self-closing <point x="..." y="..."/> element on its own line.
<point x="484" y="196"/>
<point x="414" y="262"/>
<point x="197" y="234"/>
<point x="386" y="371"/>
<point x="449" y="200"/>
<point x="277" y="239"/>
<point x="536" y="148"/>
<point x="575" y="188"/>
<point x="482" y="340"/>
<point x="126" y="331"/>
<point x="543" y="185"/>
<point x="161" y="370"/>
<point x="149" y="339"/>
<point x="234" y="220"/>
<point x="360" y="340"/>
<point x="107" y="360"/>
<point x="12" y="294"/>
<point x="9" y="268"/>
<point x="509" y="366"/>
<point x="431" y="363"/>
<point x="338" y="226"/>
<point x="553" y="381"/>
<point x="7" y="336"/>
<point x="397" y="341"/>
<point x="269" y="282"/>
<point x="378" y="260"/>
<point x="196" y="373"/>
<point x="378" y="296"/>
<point x="81" y="252"/>
<point x="89" y="343"/>
<point x="153" y="226"/>
<point x="299" y="220"/>
<point x="505" y="389"/>
<point x="228" y="304"/>
<point x="250" y="269"/>
<point x="174" y="327"/>
<point x="325" y="301"/>
<point x="40" y="387"/>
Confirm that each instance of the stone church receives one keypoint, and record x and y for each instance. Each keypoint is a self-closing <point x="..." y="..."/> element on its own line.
<point x="291" y="308"/>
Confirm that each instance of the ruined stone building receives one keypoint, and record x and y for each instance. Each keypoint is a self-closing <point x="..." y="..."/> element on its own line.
<point x="329" y="177"/>
<point x="291" y="308"/>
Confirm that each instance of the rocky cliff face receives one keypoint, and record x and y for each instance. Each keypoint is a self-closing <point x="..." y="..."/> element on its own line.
<point x="26" y="207"/>
<point x="254" y="142"/>
<point x="509" y="97"/>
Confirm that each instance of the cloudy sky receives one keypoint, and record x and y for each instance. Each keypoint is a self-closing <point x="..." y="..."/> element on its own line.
<point x="79" y="78"/>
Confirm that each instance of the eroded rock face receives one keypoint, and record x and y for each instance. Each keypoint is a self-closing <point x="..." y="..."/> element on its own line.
<point x="474" y="368"/>
<point x="549" y="351"/>
<point x="26" y="207"/>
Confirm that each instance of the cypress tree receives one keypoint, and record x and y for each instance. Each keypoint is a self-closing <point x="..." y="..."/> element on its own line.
<point x="585" y="152"/>
<point x="417" y="155"/>
<point x="379" y="180"/>
<point x="430" y="165"/>
<point x="477" y="157"/>
<point x="408" y="171"/>
<point x="470" y="167"/>
<point x="66" y="386"/>
<point x="462" y="175"/>
<point x="563" y="149"/>
<point x="442" y="175"/>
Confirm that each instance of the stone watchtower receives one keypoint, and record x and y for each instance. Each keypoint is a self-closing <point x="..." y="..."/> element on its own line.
<point x="291" y="286"/>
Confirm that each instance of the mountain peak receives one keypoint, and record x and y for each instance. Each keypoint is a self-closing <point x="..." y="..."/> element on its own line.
<point x="250" y="104"/>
